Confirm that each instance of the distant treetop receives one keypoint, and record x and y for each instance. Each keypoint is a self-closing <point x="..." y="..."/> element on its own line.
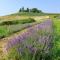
<point x="34" y="10"/>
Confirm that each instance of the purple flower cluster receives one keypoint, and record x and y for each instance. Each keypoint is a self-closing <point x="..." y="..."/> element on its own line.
<point x="31" y="39"/>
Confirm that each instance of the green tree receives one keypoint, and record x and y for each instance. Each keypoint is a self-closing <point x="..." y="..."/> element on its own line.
<point x="35" y="10"/>
<point x="20" y="10"/>
<point x="27" y="10"/>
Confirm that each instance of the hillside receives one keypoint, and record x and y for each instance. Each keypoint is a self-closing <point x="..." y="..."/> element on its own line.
<point x="35" y="36"/>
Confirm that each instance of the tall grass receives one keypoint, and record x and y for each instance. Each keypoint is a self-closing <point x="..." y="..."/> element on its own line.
<point x="6" y="30"/>
<point x="23" y="21"/>
<point x="33" y="44"/>
<point x="56" y="40"/>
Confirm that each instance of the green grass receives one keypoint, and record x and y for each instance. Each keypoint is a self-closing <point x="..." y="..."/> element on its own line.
<point x="9" y="27"/>
<point x="57" y="25"/>
<point x="6" y="30"/>
<point x="29" y="14"/>
<point x="18" y="25"/>
<point x="26" y="54"/>
<point x="3" y="31"/>
<point x="56" y="40"/>
<point x="22" y="21"/>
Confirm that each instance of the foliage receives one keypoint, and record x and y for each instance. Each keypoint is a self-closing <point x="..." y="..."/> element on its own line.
<point x="56" y="40"/>
<point x="34" y="10"/>
<point x="7" y="30"/>
<point x="31" y="44"/>
<point x="23" y="21"/>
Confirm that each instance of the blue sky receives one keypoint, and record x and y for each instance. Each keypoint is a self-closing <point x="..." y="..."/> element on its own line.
<point x="12" y="6"/>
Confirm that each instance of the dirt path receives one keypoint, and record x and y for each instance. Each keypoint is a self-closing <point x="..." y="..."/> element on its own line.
<point x="1" y="48"/>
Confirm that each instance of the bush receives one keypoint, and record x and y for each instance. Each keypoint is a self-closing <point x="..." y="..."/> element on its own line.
<point x="23" y="21"/>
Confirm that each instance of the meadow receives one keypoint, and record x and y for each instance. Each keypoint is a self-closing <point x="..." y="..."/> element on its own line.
<point x="35" y="37"/>
<point x="56" y="40"/>
<point x="10" y="27"/>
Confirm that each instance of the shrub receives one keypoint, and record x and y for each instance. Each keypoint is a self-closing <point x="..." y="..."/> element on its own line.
<point x="23" y="21"/>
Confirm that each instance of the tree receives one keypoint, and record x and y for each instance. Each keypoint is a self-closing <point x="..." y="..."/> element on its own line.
<point x="27" y="10"/>
<point x="34" y="10"/>
<point x="40" y="11"/>
<point x="20" y="10"/>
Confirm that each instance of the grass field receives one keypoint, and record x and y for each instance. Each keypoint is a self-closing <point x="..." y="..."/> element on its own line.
<point x="40" y="39"/>
<point x="56" y="41"/>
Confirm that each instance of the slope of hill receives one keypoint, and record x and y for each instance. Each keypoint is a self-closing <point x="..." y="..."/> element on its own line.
<point x="14" y="30"/>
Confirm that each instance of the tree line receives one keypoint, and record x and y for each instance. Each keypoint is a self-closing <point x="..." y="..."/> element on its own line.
<point x="34" y="10"/>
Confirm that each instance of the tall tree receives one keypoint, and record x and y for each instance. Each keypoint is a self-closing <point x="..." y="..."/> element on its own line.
<point x="34" y="10"/>
<point x="27" y="10"/>
<point x="22" y="9"/>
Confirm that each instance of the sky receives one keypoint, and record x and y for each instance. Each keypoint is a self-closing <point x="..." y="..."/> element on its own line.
<point x="12" y="6"/>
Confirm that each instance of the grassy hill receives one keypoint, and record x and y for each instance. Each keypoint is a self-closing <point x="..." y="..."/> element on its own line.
<point x="39" y="27"/>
